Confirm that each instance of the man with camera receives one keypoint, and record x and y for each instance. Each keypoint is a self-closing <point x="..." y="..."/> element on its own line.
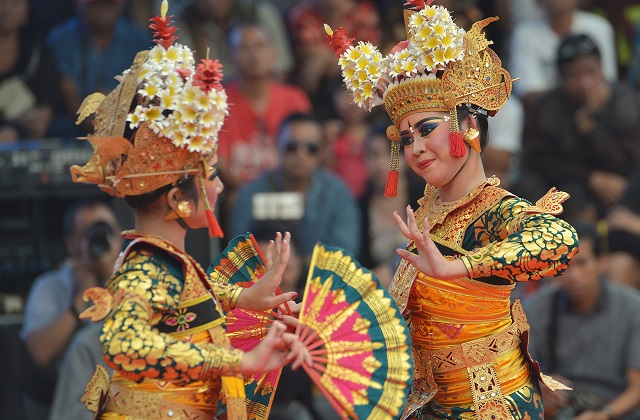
<point x="92" y="240"/>
<point x="586" y="333"/>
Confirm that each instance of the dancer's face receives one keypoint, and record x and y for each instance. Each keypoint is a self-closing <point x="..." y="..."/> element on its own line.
<point x="424" y="136"/>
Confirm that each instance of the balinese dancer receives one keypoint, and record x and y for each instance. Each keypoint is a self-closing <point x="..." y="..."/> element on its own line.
<point x="155" y="145"/>
<point x="469" y="241"/>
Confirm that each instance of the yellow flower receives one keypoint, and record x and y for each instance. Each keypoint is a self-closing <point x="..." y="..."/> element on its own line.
<point x="432" y="42"/>
<point x="362" y="63"/>
<point x="408" y="66"/>
<point x="438" y="56"/>
<point x="207" y="130"/>
<point x="349" y="72"/>
<point x="202" y="102"/>
<point x="189" y="95"/>
<point x="178" y="138"/>
<point x="173" y="54"/>
<point x="156" y="54"/>
<point x="189" y="113"/>
<point x="427" y="61"/>
<point x="189" y="129"/>
<point x="167" y="100"/>
<point x="208" y="118"/>
<point x="439" y="28"/>
<point x="353" y="54"/>
<point x="450" y="54"/>
<point x="447" y="40"/>
<point x="362" y="76"/>
<point x="429" y="11"/>
<point x="366" y="47"/>
<point x="424" y="32"/>
<point x="373" y="69"/>
<point x="195" y="144"/>
<point x="343" y="61"/>
<point x="153" y="113"/>
<point x="417" y="20"/>
<point x="148" y="91"/>
<point x="367" y="90"/>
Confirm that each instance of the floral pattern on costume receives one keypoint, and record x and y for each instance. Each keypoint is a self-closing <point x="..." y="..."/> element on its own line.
<point x="134" y="349"/>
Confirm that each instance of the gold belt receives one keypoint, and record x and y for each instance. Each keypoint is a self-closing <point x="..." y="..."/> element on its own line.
<point x="477" y="358"/>
<point x="138" y="404"/>
<point x="474" y="352"/>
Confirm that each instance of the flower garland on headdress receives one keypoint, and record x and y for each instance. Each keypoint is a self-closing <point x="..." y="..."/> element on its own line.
<point x="178" y="110"/>
<point x="438" y="67"/>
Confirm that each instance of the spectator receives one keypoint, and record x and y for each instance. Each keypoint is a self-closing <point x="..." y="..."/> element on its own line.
<point x="55" y="299"/>
<point x="500" y="157"/>
<point x="92" y="47"/>
<point x="207" y="24"/>
<point x="79" y="361"/>
<point x="257" y="106"/>
<point x="300" y="196"/>
<point x="582" y="136"/>
<point x="587" y="332"/>
<point x="316" y="71"/>
<point x="623" y="228"/>
<point x="380" y="236"/>
<point x="29" y="97"/>
<point x="347" y="135"/>
<point x="534" y="44"/>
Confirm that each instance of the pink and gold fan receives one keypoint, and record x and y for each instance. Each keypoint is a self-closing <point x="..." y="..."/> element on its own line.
<point x="242" y="264"/>
<point x="359" y="341"/>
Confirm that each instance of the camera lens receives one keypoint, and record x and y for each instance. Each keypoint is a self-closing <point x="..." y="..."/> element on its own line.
<point x="97" y="236"/>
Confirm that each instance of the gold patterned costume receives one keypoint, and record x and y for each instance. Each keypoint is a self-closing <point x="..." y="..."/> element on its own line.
<point x="469" y="343"/>
<point x="164" y="334"/>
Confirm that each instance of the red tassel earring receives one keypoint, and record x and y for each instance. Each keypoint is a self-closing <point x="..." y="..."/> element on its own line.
<point x="215" y="231"/>
<point x="456" y="143"/>
<point x="391" y="188"/>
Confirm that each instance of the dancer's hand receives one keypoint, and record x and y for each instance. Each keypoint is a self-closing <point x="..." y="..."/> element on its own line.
<point x="276" y="350"/>
<point x="429" y="260"/>
<point x="260" y="296"/>
<point x="291" y="320"/>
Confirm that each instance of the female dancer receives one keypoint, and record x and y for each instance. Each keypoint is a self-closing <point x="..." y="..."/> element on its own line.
<point x="155" y="144"/>
<point x="469" y="241"/>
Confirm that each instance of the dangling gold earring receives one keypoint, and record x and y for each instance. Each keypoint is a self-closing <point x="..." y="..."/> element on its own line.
<point x="182" y="211"/>
<point x="472" y="137"/>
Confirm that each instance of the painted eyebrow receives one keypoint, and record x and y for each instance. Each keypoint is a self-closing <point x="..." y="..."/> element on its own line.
<point x="422" y="121"/>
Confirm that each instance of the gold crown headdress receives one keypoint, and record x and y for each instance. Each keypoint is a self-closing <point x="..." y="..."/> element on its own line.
<point x="438" y="67"/>
<point x="175" y="110"/>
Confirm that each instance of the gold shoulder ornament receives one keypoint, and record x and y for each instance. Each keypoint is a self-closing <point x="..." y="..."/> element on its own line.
<point x="550" y="203"/>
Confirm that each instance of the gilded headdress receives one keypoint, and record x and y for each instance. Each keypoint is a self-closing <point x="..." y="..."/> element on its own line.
<point x="438" y="67"/>
<point x="159" y="124"/>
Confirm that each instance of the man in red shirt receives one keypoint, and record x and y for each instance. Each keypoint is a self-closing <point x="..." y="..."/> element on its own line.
<point x="257" y="105"/>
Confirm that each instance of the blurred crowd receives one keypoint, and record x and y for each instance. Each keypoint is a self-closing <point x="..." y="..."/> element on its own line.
<point x="296" y="154"/>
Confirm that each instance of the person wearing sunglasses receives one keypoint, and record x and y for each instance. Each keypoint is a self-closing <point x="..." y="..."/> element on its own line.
<point x="300" y="195"/>
<point x="469" y="241"/>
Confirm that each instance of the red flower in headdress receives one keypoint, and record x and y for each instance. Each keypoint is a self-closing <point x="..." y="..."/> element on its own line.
<point x="418" y="4"/>
<point x="163" y="31"/>
<point x="339" y="41"/>
<point x="208" y="75"/>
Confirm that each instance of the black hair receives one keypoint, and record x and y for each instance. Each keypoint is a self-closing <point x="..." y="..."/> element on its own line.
<point x="186" y="184"/>
<point x="575" y="46"/>
<point x="589" y="232"/>
<point x="481" y="120"/>
<point x="72" y="211"/>
<point x="297" y="117"/>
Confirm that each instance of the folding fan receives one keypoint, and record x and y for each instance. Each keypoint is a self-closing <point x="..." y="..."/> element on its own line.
<point x="358" y="340"/>
<point x="242" y="264"/>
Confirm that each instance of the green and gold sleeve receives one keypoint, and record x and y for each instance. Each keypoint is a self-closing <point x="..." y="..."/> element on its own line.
<point x="146" y="289"/>
<point x="510" y="242"/>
